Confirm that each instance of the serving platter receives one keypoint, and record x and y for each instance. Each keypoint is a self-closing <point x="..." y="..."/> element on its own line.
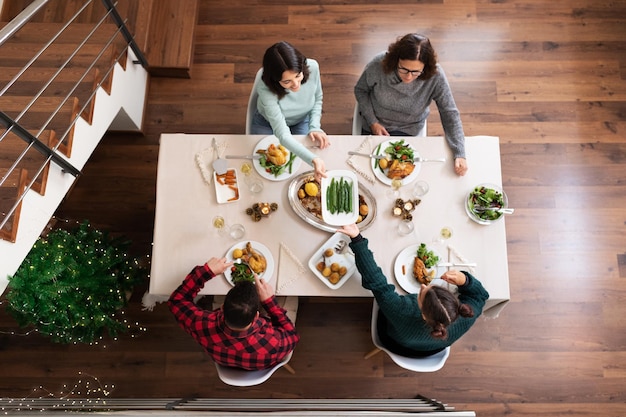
<point x="263" y="144"/>
<point x="315" y="204"/>
<point x="382" y="174"/>
<point x="346" y="260"/>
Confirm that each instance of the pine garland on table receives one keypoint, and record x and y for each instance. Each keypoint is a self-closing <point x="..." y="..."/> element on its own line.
<point x="73" y="284"/>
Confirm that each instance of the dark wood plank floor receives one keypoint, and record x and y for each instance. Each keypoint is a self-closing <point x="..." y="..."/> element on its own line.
<point x="548" y="78"/>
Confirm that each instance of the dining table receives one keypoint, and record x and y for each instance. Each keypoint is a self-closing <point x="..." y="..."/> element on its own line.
<point x="188" y="199"/>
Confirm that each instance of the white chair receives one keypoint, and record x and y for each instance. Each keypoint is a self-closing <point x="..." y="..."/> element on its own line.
<point x="252" y="105"/>
<point x="426" y="364"/>
<point x="357" y="123"/>
<point x="242" y="378"/>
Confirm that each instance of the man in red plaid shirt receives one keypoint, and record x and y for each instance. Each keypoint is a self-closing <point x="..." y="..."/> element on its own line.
<point x="235" y="335"/>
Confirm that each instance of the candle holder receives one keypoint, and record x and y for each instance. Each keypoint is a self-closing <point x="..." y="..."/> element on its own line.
<point x="260" y="210"/>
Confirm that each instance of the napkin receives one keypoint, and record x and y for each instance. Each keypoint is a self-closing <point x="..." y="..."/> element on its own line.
<point x="290" y="268"/>
<point x="205" y="158"/>
<point x="453" y="252"/>
<point x="148" y="301"/>
<point x="360" y="164"/>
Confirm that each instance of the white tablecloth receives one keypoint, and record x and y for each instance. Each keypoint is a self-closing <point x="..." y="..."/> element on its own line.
<point x="184" y="237"/>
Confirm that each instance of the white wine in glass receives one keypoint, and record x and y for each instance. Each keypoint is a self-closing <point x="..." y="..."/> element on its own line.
<point x="246" y="168"/>
<point x="445" y="233"/>
<point x="394" y="191"/>
<point x="220" y="224"/>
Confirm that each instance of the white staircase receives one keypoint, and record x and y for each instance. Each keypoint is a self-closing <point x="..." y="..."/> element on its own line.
<point x="121" y="110"/>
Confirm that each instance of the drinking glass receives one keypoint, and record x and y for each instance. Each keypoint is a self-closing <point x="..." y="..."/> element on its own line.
<point x="420" y="189"/>
<point x="394" y="192"/>
<point x="237" y="231"/>
<point x="445" y="233"/>
<point x="220" y="225"/>
<point x="254" y="183"/>
<point x="405" y="227"/>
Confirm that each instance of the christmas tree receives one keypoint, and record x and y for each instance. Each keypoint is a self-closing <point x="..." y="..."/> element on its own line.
<point x="73" y="285"/>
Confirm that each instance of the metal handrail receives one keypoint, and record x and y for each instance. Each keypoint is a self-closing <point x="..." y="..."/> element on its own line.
<point x="12" y="125"/>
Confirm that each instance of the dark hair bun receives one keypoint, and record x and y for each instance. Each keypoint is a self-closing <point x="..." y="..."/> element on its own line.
<point x="465" y="310"/>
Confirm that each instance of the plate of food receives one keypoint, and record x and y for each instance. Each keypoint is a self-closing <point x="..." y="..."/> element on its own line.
<point x="340" y="197"/>
<point x="305" y="198"/>
<point x="249" y="256"/>
<point x="398" y="162"/>
<point x="417" y="265"/>
<point x="276" y="163"/>
<point x="226" y="186"/>
<point x="482" y="201"/>
<point x="333" y="267"/>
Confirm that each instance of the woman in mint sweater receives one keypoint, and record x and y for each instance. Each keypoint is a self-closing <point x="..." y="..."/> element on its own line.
<point x="290" y="102"/>
<point x="423" y="324"/>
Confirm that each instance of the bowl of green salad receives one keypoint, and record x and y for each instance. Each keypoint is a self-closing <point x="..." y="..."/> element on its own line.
<point x="483" y="201"/>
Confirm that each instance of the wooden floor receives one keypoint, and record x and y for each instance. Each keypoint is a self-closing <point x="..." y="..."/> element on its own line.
<point x="548" y="78"/>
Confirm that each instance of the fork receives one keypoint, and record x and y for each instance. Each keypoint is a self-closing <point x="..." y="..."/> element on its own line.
<point x="481" y="209"/>
<point x="341" y="247"/>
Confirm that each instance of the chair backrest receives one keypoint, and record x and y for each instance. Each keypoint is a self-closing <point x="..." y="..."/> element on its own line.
<point x="242" y="378"/>
<point x="252" y="104"/>
<point x="426" y="364"/>
<point x="357" y="120"/>
<point x="357" y="123"/>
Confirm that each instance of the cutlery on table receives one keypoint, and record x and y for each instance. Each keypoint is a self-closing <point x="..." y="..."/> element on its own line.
<point x="481" y="209"/>
<point x="456" y="264"/>
<point x="416" y="159"/>
<point x="341" y="247"/>
<point x="243" y="156"/>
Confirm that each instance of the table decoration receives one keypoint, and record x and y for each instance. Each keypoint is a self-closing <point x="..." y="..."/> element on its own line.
<point x="204" y="160"/>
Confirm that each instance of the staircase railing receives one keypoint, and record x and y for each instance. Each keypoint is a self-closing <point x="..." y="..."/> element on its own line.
<point x="122" y="39"/>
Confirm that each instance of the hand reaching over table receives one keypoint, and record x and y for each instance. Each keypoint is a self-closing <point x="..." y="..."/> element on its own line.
<point x="321" y="137"/>
<point x="351" y="230"/>
<point x="218" y="265"/>
<point x="320" y="169"/>
<point x="264" y="289"/>
<point x="460" y="166"/>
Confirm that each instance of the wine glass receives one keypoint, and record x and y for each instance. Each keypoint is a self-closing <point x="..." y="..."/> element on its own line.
<point x="445" y="233"/>
<point x="394" y="192"/>
<point x="220" y="225"/>
<point x="254" y="183"/>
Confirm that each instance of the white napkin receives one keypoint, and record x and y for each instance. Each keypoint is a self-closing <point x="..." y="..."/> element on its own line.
<point x="148" y="301"/>
<point x="360" y="164"/>
<point x="205" y="158"/>
<point x="290" y="268"/>
<point x="453" y="252"/>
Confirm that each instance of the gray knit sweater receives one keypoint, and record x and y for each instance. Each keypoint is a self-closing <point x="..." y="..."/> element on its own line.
<point x="385" y="99"/>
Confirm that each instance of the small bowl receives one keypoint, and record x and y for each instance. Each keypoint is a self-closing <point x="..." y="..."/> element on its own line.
<point x="485" y="189"/>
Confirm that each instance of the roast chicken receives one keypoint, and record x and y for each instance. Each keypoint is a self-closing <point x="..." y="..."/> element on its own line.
<point x="254" y="259"/>
<point x="400" y="169"/>
<point x="277" y="154"/>
<point x="420" y="272"/>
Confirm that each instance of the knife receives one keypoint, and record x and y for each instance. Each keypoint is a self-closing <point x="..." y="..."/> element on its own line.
<point x="416" y="159"/>
<point x="243" y="157"/>
<point x="456" y="264"/>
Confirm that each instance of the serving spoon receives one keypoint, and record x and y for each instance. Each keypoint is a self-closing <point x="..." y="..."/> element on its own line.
<point x="502" y="210"/>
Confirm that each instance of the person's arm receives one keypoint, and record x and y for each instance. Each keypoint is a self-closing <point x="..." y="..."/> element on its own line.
<point x="473" y="293"/>
<point x="362" y="91"/>
<point x="181" y="302"/>
<point x="450" y="117"/>
<point x="278" y="315"/>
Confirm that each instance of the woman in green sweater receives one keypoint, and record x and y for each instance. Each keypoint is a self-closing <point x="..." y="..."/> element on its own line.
<point x="423" y="324"/>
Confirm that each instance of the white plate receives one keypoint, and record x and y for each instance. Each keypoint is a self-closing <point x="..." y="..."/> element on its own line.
<point x="340" y="219"/>
<point x="223" y="192"/>
<point x="382" y="176"/>
<point x="269" y="271"/>
<point x="406" y="257"/>
<point x="264" y="144"/>
<point x="347" y="260"/>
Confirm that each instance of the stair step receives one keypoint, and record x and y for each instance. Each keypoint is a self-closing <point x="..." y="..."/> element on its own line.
<point x="10" y="192"/>
<point x="41" y="110"/>
<point x="13" y="147"/>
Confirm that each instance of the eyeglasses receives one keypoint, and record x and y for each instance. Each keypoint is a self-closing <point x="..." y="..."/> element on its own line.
<point x="405" y="71"/>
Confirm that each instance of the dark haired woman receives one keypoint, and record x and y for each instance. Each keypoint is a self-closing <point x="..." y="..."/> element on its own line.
<point x="396" y="88"/>
<point x="423" y="324"/>
<point x="290" y="102"/>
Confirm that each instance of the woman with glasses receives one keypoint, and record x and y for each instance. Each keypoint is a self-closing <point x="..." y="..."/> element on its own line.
<point x="396" y="88"/>
<point x="290" y="102"/>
